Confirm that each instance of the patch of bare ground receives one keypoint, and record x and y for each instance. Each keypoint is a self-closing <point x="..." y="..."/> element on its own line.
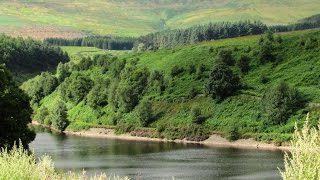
<point x="42" y="32"/>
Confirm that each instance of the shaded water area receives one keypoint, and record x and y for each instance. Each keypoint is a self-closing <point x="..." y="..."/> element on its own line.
<point x="153" y="160"/>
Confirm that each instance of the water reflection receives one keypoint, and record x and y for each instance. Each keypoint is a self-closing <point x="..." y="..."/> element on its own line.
<point x="153" y="160"/>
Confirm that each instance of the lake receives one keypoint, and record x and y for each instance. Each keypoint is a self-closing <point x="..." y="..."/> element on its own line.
<point x="154" y="160"/>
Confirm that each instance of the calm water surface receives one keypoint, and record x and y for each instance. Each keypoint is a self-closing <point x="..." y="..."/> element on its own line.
<point x="150" y="160"/>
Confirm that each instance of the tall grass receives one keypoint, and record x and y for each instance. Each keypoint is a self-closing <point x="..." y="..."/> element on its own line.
<point x="304" y="161"/>
<point x="17" y="164"/>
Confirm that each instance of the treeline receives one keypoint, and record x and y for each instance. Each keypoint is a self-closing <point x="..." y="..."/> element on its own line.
<point x="102" y="42"/>
<point x="307" y="23"/>
<point x="212" y="31"/>
<point x="29" y="55"/>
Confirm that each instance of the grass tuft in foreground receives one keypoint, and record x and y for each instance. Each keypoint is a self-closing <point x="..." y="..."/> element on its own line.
<point x="304" y="160"/>
<point x="17" y="163"/>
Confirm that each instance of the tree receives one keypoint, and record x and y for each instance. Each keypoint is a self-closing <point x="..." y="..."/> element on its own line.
<point x="280" y="102"/>
<point x="225" y="56"/>
<point x="145" y="113"/>
<point x="266" y="53"/>
<point x="15" y="112"/>
<point x="222" y="82"/>
<point x="59" y="117"/>
<point x="42" y="114"/>
<point x="75" y="87"/>
<point x="244" y="63"/>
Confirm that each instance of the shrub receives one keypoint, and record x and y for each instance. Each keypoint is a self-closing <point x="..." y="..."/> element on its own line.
<point x="197" y="116"/>
<point x="42" y="114"/>
<point x="225" y="56"/>
<point x="303" y="162"/>
<point x="144" y="111"/>
<point x="222" y="82"/>
<point x="244" y="63"/>
<point x="232" y="133"/>
<point x="264" y="79"/>
<point x="280" y="102"/>
<point x="59" y="116"/>
<point x="176" y="70"/>
<point x="266" y="53"/>
<point x="123" y="128"/>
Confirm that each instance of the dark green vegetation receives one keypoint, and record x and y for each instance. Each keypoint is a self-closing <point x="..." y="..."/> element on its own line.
<point x="102" y="42"/>
<point x="27" y="56"/>
<point x="214" y="31"/>
<point x="175" y="90"/>
<point x="15" y="112"/>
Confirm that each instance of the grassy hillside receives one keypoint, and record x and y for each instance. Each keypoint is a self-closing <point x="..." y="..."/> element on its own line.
<point x="186" y="71"/>
<point x="57" y="18"/>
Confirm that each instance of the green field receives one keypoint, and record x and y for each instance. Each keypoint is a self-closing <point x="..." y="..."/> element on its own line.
<point x="137" y="17"/>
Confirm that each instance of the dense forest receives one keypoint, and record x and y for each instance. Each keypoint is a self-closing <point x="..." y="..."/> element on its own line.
<point x="189" y="91"/>
<point x="28" y="56"/>
<point x="102" y="42"/>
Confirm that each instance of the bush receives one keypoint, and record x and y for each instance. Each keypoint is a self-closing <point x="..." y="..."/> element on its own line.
<point x="123" y="128"/>
<point x="197" y="116"/>
<point x="176" y="70"/>
<point x="232" y="133"/>
<point x="264" y="79"/>
<point x="222" y="82"/>
<point x="266" y="53"/>
<point x="225" y="56"/>
<point x="59" y="116"/>
<point x="42" y="114"/>
<point x="144" y="111"/>
<point x="280" y="102"/>
<point x="191" y="132"/>
<point x="244" y="63"/>
<point x="303" y="162"/>
<point x="75" y="87"/>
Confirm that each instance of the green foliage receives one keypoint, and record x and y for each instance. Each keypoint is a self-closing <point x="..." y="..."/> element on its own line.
<point x="266" y="52"/>
<point x="191" y="132"/>
<point x="145" y="113"/>
<point x="15" y="112"/>
<point x="197" y="116"/>
<point x="131" y="87"/>
<point x="222" y="82"/>
<point x="176" y="70"/>
<point x="59" y="117"/>
<point x="303" y="162"/>
<point x="225" y="56"/>
<point x="280" y="102"/>
<point x="75" y="87"/>
<point x="232" y="133"/>
<point x="18" y="163"/>
<point x="63" y="71"/>
<point x="39" y="87"/>
<point x="42" y="114"/>
<point x="27" y="55"/>
<point x="98" y="96"/>
<point x="244" y="63"/>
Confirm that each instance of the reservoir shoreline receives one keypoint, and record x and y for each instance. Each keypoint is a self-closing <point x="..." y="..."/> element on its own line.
<point x="214" y="140"/>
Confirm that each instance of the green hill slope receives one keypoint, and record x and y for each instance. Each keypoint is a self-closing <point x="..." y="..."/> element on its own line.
<point x="112" y="91"/>
<point x="137" y="17"/>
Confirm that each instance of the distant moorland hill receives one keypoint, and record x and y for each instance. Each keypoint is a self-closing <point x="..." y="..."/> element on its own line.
<point x="57" y="18"/>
